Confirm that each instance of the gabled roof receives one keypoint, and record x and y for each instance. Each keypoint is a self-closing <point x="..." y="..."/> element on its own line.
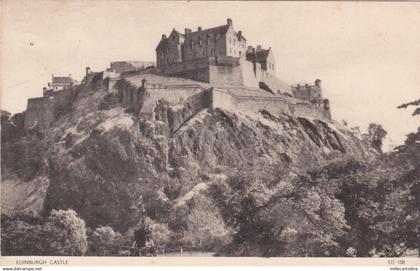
<point x="165" y="41"/>
<point x="62" y="80"/>
<point x="240" y="37"/>
<point x="221" y="30"/>
<point x="177" y="32"/>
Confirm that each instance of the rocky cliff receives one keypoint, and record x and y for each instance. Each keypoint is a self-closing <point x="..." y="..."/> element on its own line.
<point x="112" y="166"/>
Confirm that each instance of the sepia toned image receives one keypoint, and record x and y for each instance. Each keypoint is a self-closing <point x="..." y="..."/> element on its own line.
<point x="138" y="129"/>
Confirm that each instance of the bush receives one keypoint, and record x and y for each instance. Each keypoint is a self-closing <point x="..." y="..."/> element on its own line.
<point x="104" y="241"/>
<point x="63" y="233"/>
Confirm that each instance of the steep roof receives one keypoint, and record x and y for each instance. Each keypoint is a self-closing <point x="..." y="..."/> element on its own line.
<point x="164" y="42"/>
<point x="67" y="80"/>
<point x="240" y="37"/>
<point x="259" y="55"/>
<point x="210" y="31"/>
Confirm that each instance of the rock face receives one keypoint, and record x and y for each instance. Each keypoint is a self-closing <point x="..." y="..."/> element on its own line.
<point x="111" y="166"/>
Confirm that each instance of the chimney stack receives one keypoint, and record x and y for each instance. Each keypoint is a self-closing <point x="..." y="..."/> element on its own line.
<point x="229" y="21"/>
<point x="318" y="83"/>
<point x="199" y="28"/>
<point x="259" y="48"/>
<point x="240" y="33"/>
<point x="163" y="36"/>
<point x="187" y="31"/>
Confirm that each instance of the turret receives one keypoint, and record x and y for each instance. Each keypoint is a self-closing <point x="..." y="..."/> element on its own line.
<point x="229" y="21"/>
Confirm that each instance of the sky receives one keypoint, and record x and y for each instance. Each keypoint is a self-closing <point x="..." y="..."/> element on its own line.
<point x="366" y="54"/>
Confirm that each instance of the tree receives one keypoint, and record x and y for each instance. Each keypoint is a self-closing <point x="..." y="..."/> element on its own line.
<point x="62" y="233"/>
<point x="68" y="233"/>
<point x="160" y="232"/>
<point x="104" y="241"/>
<point x="416" y="104"/>
<point x="293" y="216"/>
<point x="376" y="134"/>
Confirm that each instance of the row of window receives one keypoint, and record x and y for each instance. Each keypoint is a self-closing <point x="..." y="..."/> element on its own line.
<point x="195" y="54"/>
<point x="270" y="66"/>
<point x="234" y="43"/>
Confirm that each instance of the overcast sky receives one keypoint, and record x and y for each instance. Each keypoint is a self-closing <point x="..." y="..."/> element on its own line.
<point x="366" y="54"/>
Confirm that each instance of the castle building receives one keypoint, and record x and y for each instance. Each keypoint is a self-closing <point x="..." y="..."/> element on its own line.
<point x="311" y="93"/>
<point x="60" y="82"/>
<point x="213" y="42"/>
<point x="262" y="56"/>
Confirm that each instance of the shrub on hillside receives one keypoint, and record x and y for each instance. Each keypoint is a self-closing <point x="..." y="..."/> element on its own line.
<point x="63" y="233"/>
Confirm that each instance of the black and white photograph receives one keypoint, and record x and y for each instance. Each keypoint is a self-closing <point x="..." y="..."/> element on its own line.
<point x="136" y="129"/>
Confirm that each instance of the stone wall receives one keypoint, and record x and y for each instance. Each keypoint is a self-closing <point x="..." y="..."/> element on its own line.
<point x="225" y="75"/>
<point x="174" y="95"/>
<point x="311" y="111"/>
<point x="276" y="105"/>
<point x="126" y="66"/>
<point x="143" y="99"/>
<point x="43" y="111"/>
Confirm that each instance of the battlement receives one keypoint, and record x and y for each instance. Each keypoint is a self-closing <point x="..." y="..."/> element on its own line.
<point x="144" y="97"/>
<point x="312" y="93"/>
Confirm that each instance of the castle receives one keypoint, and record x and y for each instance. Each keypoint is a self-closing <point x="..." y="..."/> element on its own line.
<point x="207" y="68"/>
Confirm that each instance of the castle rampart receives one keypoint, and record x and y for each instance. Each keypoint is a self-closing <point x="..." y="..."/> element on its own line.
<point x="143" y="100"/>
<point x="43" y="111"/>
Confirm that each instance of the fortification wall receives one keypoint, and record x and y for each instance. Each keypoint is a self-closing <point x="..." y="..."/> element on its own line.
<point x="249" y="76"/>
<point x="225" y="100"/>
<point x="43" y="111"/>
<point x="275" y="105"/>
<point x="225" y="75"/>
<point x="273" y="83"/>
<point x="311" y="111"/>
<point x="194" y="95"/>
<point x="222" y="99"/>
<point x="197" y="69"/>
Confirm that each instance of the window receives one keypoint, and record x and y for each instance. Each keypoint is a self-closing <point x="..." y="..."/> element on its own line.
<point x="230" y="50"/>
<point x="212" y="52"/>
<point x="230" y="40"/>
<point x="234" y="41"/>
